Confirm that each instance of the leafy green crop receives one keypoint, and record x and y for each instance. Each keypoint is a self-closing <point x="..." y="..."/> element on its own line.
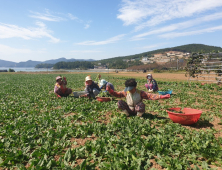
<point x="40" y="131"/>
<point x="104" y="94"/>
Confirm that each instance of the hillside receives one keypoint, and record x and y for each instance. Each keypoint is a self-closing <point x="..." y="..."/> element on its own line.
<point x="189" y="48"/>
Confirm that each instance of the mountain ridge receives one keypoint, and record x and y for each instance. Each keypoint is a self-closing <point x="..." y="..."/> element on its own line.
<point x="31" y="63"/>
<point x="183" y="48"/>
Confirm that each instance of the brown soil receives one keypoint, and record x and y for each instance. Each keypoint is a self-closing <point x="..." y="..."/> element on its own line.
<point x="180" y="76"/>
<point x="80" y="141"/>
<point x="157" y="76"/>
<point x="105" y="118"/>
<point x="168" y="76"/>
<point x="155" y="165"/>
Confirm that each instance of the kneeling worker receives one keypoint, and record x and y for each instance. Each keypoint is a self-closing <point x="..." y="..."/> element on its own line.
<point x="60" y="88"/>
<point x="91" y="88"/>
<point x="134" y="104"/>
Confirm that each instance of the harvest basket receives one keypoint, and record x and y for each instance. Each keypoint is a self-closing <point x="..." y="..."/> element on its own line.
<point x="165" y="92"/>
<point x="187" y="117"/>
<point x="103" y="99"/>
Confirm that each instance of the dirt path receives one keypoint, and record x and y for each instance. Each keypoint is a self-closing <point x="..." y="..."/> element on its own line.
<point x="157" y="76"/>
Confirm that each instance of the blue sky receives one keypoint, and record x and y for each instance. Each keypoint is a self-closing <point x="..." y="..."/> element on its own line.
<point x="41" y="30"/>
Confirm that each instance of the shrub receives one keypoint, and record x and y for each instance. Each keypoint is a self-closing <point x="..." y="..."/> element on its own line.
<point x="11" y="70"/>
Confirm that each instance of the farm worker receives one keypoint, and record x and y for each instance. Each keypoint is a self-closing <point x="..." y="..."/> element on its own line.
<point x="91" y="88"/>
<point x="60" y="88"/>
<point x="151" y="83"/>
<point x="134" y="97"/>
<point x="103" y="84"/>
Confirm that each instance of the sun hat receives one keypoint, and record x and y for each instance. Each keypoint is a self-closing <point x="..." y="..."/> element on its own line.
<point x="149" y="75"/>
<point x="88" y="78"/>
<point x="102" y="82"/>
<point x="58" y="77"/>
<point x="128" y="88"/>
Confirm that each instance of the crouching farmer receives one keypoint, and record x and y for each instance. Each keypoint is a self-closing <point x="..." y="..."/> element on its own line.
<point x="134" y="97"/>
<point x="91" y="88"/>
<point x="60" y="87"/>
<point x="103" y="84"/>
<point x="151" y="83"/>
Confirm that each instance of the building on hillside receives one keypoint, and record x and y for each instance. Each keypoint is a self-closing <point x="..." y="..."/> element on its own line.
<point x="126" y="60"/>
<point x="146" y="60"/>
<point x="160" y="55"/>
<point x="100" y="67"/>
<point x="164" y="60"/>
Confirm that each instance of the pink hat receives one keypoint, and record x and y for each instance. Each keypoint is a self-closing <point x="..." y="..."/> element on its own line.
<point x="58" y="77"/>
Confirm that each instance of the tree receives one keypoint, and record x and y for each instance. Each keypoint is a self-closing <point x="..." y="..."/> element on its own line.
<point x="11" y="70"/>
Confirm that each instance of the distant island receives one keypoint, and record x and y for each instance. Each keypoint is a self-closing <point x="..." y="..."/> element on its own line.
<point x="30" y="63"/>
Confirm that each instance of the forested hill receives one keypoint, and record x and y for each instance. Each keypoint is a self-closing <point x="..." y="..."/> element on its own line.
<point x="189" y="48"/>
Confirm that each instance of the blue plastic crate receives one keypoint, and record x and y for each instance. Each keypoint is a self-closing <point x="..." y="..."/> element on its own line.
<point x="165" y="92"/>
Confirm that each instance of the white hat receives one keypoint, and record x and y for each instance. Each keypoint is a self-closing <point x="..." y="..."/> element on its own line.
<point x="102" y="82"/>
<point x="149" y="75"/>
<point x="88" y="78"/>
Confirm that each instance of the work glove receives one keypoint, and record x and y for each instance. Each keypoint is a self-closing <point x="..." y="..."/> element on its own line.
<point x="64" y="78"/>
<point x="167" y="96"/>
<point x="108" y="88"/>
<point x="150" y="91"/>
<point x="85" y="95"/>
<point x="58" y="96"/>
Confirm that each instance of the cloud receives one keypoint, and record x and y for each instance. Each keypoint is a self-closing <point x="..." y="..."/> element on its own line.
<point x="72" y="17"/>
<point x="196" y="32"/>
<point x="47" y="16"/>
<point x="146" y="13"/>
<point x="14" y="31"/>
<point x="86" y="26"/>
<point x="86" y="51"/>
<point x="6" y="50"/>
<point x="108" y="41"/>
<point x="180" y="26"/>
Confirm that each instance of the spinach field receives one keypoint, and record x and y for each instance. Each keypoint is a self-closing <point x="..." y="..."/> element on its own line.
<point x="40" y="131"/>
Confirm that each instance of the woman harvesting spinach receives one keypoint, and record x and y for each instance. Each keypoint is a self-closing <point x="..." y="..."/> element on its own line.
<point x="60" y="88"/>
<point x="151" y="83"/>
<point x="134" y="97"/>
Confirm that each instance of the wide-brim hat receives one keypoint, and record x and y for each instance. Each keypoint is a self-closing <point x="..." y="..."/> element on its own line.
<point x="128" y="88"/>
<point x="88" y="78"/>
<point x="58" y="77"/>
